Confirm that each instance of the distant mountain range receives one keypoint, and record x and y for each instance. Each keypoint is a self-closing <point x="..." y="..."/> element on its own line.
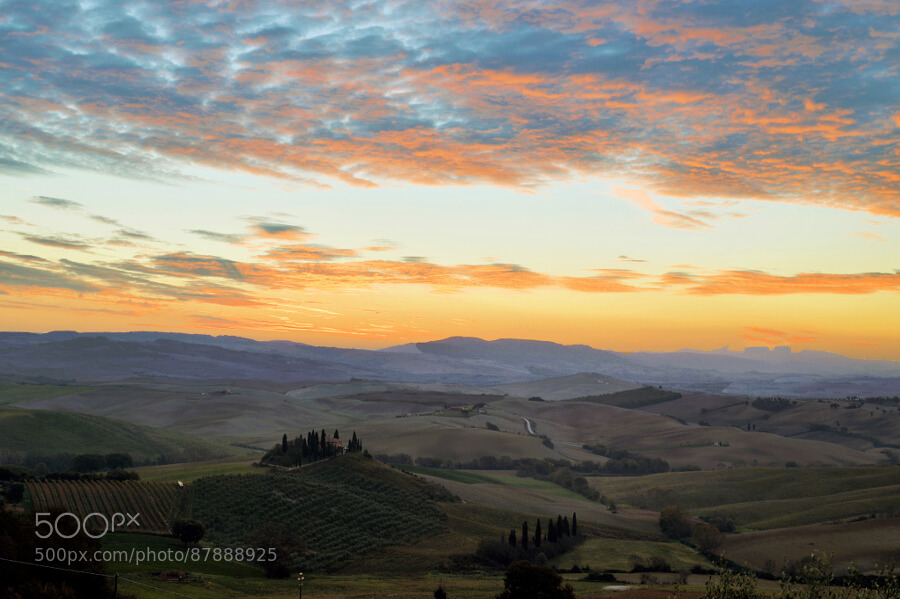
<point x="97" y="357"/>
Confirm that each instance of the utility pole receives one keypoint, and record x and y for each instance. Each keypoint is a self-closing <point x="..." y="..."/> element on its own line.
<point x="116" y="587"/>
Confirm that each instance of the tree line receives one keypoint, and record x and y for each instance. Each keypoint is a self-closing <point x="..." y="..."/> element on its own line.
<point x="561" y="472"/>
<point x="619" y="463"/>
<point x="538" y="544"/>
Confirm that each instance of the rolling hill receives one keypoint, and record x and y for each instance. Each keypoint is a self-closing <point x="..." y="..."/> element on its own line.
<point x="568" y="387"/>
<point x="46" y="432"/>
<point x="341" y="509"/>
<point x="446" y="425"/>
<point x="71" y="356"/>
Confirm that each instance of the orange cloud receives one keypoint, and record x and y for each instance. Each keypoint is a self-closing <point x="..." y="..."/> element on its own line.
<point x="812" y="106"/>
<point x="759" y="283"/>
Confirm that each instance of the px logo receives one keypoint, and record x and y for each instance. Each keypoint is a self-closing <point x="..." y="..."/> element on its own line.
<point x="120" y="520"/>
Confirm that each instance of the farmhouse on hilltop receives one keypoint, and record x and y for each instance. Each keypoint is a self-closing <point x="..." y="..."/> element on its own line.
<point x="334" y="444"/>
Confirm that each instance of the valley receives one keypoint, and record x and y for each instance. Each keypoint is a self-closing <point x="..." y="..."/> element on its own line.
<point x="451" y="468"/>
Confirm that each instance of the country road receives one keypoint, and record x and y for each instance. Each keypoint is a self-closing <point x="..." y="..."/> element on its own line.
<point x="528" y="424"/>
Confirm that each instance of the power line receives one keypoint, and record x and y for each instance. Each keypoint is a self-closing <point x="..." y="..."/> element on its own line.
<point x="149" y="586"/>
<point x="57" y="568"/>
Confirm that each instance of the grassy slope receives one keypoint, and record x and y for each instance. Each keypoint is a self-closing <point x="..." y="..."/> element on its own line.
<point x="402" y="567"/>
<point x="48" y="432"/>
<point x="452" y="438"/>
<point x="340" y="508"/>
<point x="633" y="398"/>
<point x="14" y="393"/>
<point x="657" y="435"/>
<point x="192" y="471"/>
<point x="461" y="476"/>
<point x="766" y="497"/>
<point x="509" y="478"/>
<point x="193" y="408"/>
<point x="863" y="426"/>
<point x="375" y="415"/>
<point x="615" y="554"/>
<point x="866" y="543"/>
<point x="881" y="501"/>
<point x="156" y="503"/>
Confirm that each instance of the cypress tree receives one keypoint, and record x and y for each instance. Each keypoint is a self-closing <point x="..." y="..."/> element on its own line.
<point x="551" y="531"/>
<point x="512" y="537"/>
<point x="284" y="443"/>
<point x="559" y="526"/>
<point x="336" y="436"/>
<point x="525" y="535"/>
<point x="574" y="525"/>
<point x="566" y="526"/>
<point x="537" y="533"/>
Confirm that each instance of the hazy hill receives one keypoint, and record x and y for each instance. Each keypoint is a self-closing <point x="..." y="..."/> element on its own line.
<point x="568" y="387"/>
<point x="463" y="360"/>
<point x="99" y="358"/>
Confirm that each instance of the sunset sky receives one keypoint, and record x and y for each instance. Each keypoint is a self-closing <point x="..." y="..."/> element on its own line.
<point x="646" y="175"/>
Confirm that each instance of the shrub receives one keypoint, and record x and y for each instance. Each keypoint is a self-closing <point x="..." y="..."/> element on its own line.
<point x="189" y="531"/>
<point x="732" y="585"/>
<point x="675" y="522"/>
<point x="658" y="564"/>
<point x="526" y="581"/>
<point x="708" y="538"/>
<point x="599" y="577"/>
<point x="723" y="523"/>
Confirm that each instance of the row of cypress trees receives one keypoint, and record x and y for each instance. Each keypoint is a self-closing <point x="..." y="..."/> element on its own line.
<point x="555" y="532"/>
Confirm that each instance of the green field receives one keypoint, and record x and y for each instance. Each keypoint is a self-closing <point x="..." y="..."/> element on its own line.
<point x="543" y="486"/>
<point x="14" y="393"/>
<point x="189" y="472"/>
<point x="717" y="487"/>
<point x="495" y="477"/>
<point x="781" y="513"/>
<point x="332" y="586"/>
<point x="373" y="530"/>
<point x="401" y="570"/>
<point x="457" y="586"/>
<point x="764" y="497"/>
<point x="49" y="432"/>
<point x="156" y="503"/>
<point x="616" y="554"/>
<point x="341" y="508"/>
<point x="461" y="476"/>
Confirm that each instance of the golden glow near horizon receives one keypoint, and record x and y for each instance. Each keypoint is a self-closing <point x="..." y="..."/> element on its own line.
<point x="631" y="177"/>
